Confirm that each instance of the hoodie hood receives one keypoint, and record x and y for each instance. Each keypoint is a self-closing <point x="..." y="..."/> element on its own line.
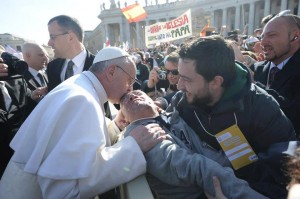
<point x="241" y="80"/>
<point x="231" y="99"/>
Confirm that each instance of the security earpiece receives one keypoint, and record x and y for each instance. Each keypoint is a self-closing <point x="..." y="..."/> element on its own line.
<point x="295" y="38"/>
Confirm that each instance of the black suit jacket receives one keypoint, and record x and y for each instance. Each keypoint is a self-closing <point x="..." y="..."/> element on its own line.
<point x="31" y="81"/>
<point x="285" y="88"/>
<point x="55" y="67"/>
<point x="32" y="84"/>
<point x="12" y="119"/>
<point x="149" y="61"/>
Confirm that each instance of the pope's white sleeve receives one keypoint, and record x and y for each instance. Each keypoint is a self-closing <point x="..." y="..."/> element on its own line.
<point x="59" y="188"/>
<point x="113" y="166"/>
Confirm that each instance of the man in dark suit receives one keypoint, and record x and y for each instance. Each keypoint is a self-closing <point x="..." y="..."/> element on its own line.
<point x="142" y="71"/>
<point x="280" y="73"/>
<point x="155" y="60"/>
<point x="36" y="58"/>
<point x="66" y="39"/>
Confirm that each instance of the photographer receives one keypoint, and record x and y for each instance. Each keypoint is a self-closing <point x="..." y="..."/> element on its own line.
<point x="162" y="82"/>
<point x="157" y="84"/>
<point x="13" y="101"/>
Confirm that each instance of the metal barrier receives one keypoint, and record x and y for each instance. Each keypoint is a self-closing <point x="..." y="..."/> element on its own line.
<point x="136" y="189"/>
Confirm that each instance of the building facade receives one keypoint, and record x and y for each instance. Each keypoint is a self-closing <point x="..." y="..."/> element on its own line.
<point x="13" y="41"/>
<point x="17" y="43"/>
<point x="223" y="15"/>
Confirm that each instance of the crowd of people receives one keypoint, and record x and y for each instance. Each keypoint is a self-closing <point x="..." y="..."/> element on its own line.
<point x="212" y="117"/>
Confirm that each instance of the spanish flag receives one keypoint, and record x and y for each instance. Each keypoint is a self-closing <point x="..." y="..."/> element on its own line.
<point x="203" y="31"/>
<point x="134" y="13"/>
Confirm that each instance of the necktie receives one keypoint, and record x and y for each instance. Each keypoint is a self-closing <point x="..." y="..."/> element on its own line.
<point x="272" y="74"/>
<point x="43" y="83"/>
<point x="69" y="71"/>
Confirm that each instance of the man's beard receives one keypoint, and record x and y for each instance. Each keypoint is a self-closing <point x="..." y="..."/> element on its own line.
<point x="276" y="54"/>
<point x="200" y="101"/>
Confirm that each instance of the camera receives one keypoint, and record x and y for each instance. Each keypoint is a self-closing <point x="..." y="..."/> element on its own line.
<point x="162" y="74"/>
<point x="15" y="65"/>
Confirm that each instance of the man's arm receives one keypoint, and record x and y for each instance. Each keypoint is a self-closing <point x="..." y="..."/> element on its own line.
<point x="173" y="164"/>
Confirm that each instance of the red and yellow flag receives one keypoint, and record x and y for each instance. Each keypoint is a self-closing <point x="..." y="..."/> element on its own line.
<point x="134" y="13"/>
<point x="203" y="31"/>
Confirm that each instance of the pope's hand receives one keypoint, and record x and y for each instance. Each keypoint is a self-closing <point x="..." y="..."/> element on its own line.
<point x="148" y="136"/>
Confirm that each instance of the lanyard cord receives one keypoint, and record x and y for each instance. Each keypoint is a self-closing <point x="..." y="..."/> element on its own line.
<point x="205" y="128"/>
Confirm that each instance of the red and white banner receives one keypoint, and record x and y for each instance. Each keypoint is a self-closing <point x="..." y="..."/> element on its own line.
<point x="178" y="28"/>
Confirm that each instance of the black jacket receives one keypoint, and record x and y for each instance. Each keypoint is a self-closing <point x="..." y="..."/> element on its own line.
<point x="258" y="114"/>
<point x="12" y="119"/>
<point x="142" y="74"/>
<point x="259" y="118"/>
<point x="32" y="85"/>
<point x="55" y="67"/>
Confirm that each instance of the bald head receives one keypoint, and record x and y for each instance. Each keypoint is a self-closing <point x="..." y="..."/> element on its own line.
<point x="35" y="56"/>
<point x="136" y="105"/>
<point x="291" y="21"/>
<point x="281" y="38"/>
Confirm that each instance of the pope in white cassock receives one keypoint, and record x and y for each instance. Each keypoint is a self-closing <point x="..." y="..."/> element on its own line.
<point x="63" y="149"/>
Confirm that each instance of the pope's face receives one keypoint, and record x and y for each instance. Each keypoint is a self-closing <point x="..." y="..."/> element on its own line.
<point x="124" y="78"/>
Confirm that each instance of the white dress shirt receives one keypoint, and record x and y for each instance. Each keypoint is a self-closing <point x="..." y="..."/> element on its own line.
<point x="35" y="73"/>
<point x="78" y="66"/>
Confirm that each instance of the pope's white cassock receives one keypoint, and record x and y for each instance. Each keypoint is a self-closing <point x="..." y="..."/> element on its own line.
<point x="63" y="149"/>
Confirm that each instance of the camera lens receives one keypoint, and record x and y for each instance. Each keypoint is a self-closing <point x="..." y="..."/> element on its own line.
<point x="162" y="75"/>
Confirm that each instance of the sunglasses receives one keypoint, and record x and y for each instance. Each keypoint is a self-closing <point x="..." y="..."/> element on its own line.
<point x="288" y="13"/>
<point x="173" y="72"/>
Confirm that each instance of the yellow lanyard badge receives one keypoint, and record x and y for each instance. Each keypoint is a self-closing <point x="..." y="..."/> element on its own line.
<point x="236" y="147"/>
